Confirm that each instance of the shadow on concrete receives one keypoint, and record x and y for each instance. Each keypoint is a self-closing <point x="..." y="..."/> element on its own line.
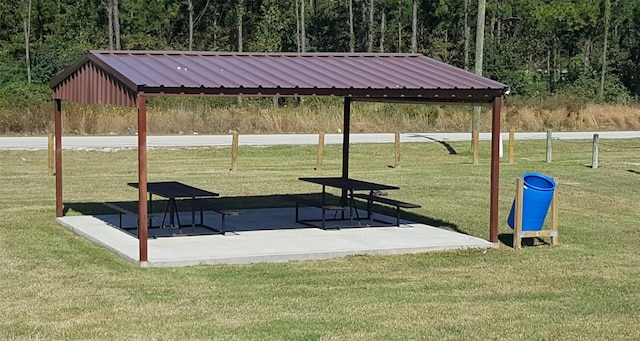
<point x="274" y="201"/>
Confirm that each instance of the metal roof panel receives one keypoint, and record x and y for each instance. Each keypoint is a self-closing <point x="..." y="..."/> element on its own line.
<point x="338" y="74"/>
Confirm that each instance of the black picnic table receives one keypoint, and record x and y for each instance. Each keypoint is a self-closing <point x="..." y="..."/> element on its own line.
<point x="348" y="186"/>
<point x="173" y="190"/>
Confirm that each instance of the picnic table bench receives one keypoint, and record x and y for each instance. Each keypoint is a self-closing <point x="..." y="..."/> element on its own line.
<point x="211" y="205"/>
<point x="176" y="192"/>
<point x="130" y="208"/>
<point x="358" y="189"/>
<point x="306" y="202"/>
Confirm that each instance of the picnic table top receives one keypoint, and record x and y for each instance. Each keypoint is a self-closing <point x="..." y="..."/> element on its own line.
<point x="175" y="189"/>
<point x="349" y="184"/>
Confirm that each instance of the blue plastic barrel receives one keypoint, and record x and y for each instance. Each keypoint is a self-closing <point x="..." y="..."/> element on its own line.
<point x="538" y="193"/>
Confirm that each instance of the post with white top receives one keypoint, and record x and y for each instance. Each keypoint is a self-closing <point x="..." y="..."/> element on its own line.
<point x="320" y="151"/>
<point x="397" y="150"/>
<point x="549" y="146"/>
<point x="594" y="157"/>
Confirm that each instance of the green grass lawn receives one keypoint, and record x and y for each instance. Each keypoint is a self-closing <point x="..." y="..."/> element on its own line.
<point x="56" y="285"/>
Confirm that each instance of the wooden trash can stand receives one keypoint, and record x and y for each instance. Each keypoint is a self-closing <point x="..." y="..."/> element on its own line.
<point x="518" y="232"/>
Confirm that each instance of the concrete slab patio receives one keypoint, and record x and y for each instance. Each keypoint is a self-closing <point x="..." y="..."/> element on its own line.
<point x="265" y="235"/>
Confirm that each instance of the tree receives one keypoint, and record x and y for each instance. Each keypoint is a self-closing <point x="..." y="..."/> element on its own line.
<point x="479" y="53"/>
<point x="113" y="26"/>
<point x="370" y="31"/>
<point x="190" y="10"/>
<point x="240" y="10"/>
<point x="298" y="42"/>
<point x="193" y="21"/>
<point x="414" y="27"/>
<point x="116" y="23"/>
<point x="607" y="20"/>
<point x="467" y="33"/>
<point x="303" y="32"/>
<point x="382" y="29"/>
<point x="27" y="34"/>
<point x="239" y="17"/>
<point x="352" y="36"/>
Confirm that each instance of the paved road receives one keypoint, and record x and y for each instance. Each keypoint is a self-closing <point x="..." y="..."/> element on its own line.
<point x="102" y="142"/>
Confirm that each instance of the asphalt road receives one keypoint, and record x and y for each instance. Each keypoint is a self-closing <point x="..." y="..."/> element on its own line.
<point x="131" y="141"/>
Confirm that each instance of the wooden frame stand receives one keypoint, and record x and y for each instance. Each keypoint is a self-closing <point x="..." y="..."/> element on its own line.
<point x="518" y="234"/>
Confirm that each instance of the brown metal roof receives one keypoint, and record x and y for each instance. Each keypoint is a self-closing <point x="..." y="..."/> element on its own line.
<point x="116" y="77"/>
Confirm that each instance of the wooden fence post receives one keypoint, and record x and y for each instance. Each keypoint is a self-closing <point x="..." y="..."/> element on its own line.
<point x="518" y="211"/>
<point x="512" y="142"/>
<point x="475" y="138"/>
<point x="320" y="150"/>
<point x="594" y="156"/>
<point x="548" y="145"/>
<point x="234" y="151"/>
<point x="397" y="164"/>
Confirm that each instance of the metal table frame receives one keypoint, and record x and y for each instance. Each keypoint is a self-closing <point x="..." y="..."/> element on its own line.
<point x="348" y="186"/>
<point x="174" y="190"/>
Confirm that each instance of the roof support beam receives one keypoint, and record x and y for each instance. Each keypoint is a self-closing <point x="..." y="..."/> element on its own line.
<point x="142" y="178"/>
<point x="345" y="142"/>
<point x="495" y="169"/>
<point x="58" y="140"/>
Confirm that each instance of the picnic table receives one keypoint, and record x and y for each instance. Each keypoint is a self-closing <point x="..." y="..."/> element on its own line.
<point x="174" y="190"/>
<point x="347" y="202"/>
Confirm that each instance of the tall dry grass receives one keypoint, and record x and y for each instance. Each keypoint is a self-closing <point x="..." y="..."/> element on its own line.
<point x="205" y="118"/>
<point x="592" y="117"/>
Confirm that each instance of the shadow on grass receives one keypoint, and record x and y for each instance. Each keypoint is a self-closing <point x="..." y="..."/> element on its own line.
<point x="507" y="239"/>
<point x="445" y="144"/>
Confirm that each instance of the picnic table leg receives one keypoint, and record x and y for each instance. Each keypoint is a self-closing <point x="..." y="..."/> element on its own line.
<point x="172" y="211"/>
<point x="193" y="215"/>
<point x="164" y="216"/>
<point x="352" y="207"/>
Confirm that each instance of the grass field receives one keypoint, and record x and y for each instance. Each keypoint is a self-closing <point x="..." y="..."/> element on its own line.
<point x="56" y="285"/>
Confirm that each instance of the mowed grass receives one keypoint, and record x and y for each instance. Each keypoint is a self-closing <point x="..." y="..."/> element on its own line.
<point x="56" y="285"/>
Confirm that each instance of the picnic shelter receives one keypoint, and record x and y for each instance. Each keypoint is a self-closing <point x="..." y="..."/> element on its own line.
<point x="129" y="78"/>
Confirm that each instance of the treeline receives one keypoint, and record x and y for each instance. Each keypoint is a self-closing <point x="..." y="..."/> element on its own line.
<point x="588" y="48"/>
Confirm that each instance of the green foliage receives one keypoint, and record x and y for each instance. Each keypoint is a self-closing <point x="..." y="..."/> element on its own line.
<point x="24" y="108"/>
<point x="276" y="29"/>
<point x="527" y="43"/>
<point x="22" y="94"/>
<point x="10" y="69"/>
<point x="587" y="87"/>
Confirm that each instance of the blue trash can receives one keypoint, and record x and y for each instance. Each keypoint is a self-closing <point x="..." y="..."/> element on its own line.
<point x="538" y="193"/>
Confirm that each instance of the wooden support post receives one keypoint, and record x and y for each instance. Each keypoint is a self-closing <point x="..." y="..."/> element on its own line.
<point x="234" y="151"/>
<point x="397" y="164"/>
<point x="320" y="150"/>
<point x="51" y="155"/>
<point x="475" y="142"/>
<point x="554" y="215"/>
<point x="517" y="218"/>
<point x="58" y="139"/>
<point x="143" y="227"/>
<point x="549" y="146"/>
<point x="594" y="156"/>
<point x="512" y="144"/>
